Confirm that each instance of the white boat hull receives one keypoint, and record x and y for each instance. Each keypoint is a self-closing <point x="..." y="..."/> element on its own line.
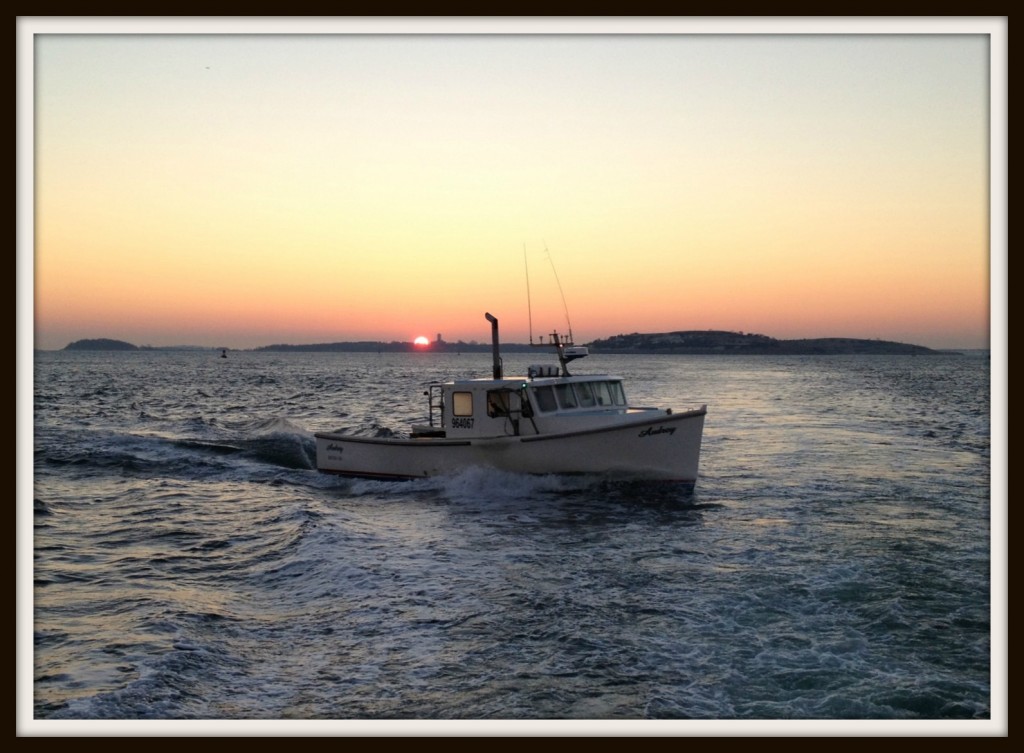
<point x="664" y="446"/>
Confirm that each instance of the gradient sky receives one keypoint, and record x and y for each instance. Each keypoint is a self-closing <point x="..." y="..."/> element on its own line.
<point x="238" y="190"/>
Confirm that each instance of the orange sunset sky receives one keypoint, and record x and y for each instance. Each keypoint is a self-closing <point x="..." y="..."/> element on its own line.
<point x="257" y="184"/>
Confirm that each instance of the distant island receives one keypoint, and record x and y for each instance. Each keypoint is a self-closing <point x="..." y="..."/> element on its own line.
<point x="687" y="342"/>
<point x="101" y="343"/>
<point x="708" y="342"/>
<point x="104" y="343"/>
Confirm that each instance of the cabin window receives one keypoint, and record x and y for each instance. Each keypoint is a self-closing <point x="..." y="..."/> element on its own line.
<point x="566" y="397"/>
<point x="617" y="394"/>
<point x="462" y="403"/>
<point x="585" y="392"/>
<point x="602" y="394"/>
<point x="545" y="398"/>
<point x="497" y="403"/>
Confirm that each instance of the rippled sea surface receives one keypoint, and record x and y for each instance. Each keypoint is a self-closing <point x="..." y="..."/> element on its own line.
<point x="189" y="563"/>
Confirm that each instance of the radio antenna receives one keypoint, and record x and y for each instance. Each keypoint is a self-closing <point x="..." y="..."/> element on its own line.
<point x="560" y="291"/>
<point x="529" y="306"/>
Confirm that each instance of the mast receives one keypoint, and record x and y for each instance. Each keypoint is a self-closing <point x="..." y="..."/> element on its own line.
<point x="567" y="351"/>
<point x="529" y="304"/>
<point x="560" y="292"/>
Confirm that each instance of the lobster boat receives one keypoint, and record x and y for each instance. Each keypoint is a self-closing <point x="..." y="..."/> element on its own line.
<point x="548" y="421"/>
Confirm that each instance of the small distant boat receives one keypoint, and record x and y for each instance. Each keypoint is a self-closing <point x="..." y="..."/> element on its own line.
<point x="224" y="353"/>
<point x="546" y="422"/>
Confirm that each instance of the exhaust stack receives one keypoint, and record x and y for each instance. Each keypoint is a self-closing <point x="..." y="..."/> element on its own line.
<point x="495" y="350"/>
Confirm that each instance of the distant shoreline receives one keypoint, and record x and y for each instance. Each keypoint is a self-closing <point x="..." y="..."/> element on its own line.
<point x="690" y="342"/>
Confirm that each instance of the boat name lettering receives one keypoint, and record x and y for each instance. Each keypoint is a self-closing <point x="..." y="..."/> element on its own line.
<point x="335" y="448"/>
<point x="462" y="423"/>
<point x="650" y="431"/>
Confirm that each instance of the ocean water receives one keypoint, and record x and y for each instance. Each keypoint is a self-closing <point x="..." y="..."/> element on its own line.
<point x="833" y="563"/>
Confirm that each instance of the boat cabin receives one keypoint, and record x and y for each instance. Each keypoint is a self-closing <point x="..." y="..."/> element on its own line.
<point x="549" y="400"/>
<point x="535" y="404"/>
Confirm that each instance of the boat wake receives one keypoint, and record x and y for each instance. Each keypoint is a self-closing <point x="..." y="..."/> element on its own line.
<point x="483" y="486"/>
<point x="477" y="483"/>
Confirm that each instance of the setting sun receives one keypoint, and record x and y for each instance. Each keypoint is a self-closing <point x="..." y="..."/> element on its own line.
<point x="421" y="341"/>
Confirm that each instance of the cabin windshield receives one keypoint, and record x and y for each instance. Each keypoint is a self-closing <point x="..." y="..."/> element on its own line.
<point x="567" y="396"/>
<point x="610" y="393"/>
<point x="545" y="398"/>
<point x="585" y="393"/>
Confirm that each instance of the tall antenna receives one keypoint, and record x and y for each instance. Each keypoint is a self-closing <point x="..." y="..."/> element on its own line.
<point x="529" y="307"/>
<point x="560" y="291"/>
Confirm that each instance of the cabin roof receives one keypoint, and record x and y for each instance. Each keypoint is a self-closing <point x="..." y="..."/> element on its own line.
<point x="517" y="381"/>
